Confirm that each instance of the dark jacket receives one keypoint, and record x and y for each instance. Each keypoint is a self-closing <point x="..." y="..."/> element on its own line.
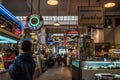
<point x="23" y="67"/>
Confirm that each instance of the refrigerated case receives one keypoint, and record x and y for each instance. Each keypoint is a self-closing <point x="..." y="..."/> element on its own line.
<point x="87" y="70"/>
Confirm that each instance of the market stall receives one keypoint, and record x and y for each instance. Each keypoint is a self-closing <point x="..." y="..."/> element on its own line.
<point x="10" y="34"/>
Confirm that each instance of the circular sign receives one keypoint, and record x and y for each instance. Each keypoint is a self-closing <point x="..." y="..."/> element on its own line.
<point x="34" y="22"/>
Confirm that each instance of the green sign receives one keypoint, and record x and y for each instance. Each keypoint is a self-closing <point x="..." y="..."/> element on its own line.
<point x="34" y="22"/>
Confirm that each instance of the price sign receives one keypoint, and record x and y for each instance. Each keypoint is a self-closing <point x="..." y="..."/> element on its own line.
<point x="34" y="22"/>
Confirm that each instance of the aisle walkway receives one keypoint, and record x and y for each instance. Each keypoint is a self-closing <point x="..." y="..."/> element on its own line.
<point x="57" y="73"/>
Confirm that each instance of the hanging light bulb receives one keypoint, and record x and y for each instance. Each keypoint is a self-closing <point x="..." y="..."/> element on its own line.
<point x="2" y="26"/>
<point x="56" y="23"/>
<point x="109" y="5"/>
<point x="52" y="2"/>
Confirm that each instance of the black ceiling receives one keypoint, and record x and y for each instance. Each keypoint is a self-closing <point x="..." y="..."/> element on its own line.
<point x="17" y="7"/>
<point x="65" y="7"/>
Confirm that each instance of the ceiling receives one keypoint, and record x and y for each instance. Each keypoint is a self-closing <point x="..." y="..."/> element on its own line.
<point x="65" y="7"/>
<point x="17" y="7"/>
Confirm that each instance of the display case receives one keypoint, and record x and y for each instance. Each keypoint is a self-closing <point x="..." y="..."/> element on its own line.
<point x="87" y="70"/>
<point x="95" y="65"/>
<point x="76" y="63"/>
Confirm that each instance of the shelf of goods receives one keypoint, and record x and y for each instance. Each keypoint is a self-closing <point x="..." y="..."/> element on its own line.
<point x="10" y="31"/>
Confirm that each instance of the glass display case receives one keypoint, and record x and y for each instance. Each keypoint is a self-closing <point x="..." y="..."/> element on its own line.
<point x="87" y="70"/>
<point x="95" y="65"/>
<point x="76" y="63"/>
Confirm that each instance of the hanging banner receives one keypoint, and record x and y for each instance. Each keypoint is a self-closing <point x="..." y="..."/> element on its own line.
<point x="34" y="22"/>
<point x="90" y="15"/>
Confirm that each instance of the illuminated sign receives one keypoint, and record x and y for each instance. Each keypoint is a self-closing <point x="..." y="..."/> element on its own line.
<point x="72" y="32"/>
<point x="34" y="22"/>
<point x="13" y="29"/>
<point x="16" y="32"/>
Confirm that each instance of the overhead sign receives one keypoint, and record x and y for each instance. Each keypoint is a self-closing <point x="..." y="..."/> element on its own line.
<point x="34" y="22"/>
<point x="90" y="15"/>
<point x="72" y="32"/>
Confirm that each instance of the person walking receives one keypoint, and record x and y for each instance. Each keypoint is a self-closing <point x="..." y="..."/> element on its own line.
<point x="24" y="66"/>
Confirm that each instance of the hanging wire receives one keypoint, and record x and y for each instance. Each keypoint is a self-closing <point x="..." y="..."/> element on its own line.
<point x="38" y="32"/>
<point x="31" y="5"/>
<point x="57" y="11"/>
<point x="69" y="19"/>
<point x="38" y="6"/>
<point x="88" y="2"/>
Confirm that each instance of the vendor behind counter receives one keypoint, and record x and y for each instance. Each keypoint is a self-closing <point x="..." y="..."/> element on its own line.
<point x="8" y="58"/>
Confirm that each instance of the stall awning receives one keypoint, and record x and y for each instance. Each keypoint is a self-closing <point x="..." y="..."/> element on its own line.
<point x="9" y="34"/>
<point x="4" y="12"/>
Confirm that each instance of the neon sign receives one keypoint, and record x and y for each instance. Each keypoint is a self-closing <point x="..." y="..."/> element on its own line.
<point x="34" y="22"/>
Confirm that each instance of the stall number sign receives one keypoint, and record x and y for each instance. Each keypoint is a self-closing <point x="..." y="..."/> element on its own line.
<point x="34" y="22"/>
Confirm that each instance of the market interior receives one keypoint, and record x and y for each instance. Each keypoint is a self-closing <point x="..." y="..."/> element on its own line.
<point x="72" y="39"/>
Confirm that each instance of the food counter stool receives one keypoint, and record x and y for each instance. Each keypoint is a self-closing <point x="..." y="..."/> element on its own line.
<point x="107" y="76"/>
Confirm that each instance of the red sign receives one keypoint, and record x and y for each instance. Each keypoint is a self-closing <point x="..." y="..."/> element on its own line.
<point x="73" y="32"/>
<point x="16" y="32"/>
<point x="65" y="40"/>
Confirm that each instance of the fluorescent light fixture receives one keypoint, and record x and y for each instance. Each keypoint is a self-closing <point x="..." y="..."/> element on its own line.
<point x="9" y="15"/>
<point x="32" y="33"/>
<point x="8" y="39"/>
<point x="2" y="26"/>
<point x="116" y="52"/>
<point x="52" y="2"/>
<point x="56" y="23"/>
<point x="109" y="5"/>
<point x="4" y="42"/>
<point x="58" y="34"/>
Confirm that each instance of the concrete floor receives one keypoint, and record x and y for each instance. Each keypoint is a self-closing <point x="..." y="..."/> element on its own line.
<point x="57" y="73"/>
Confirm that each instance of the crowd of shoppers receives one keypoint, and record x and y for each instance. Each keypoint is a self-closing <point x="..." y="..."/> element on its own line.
<point x="21" y="64"/>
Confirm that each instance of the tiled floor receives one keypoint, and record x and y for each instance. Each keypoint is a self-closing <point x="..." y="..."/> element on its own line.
<point x="57" y="73"/>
